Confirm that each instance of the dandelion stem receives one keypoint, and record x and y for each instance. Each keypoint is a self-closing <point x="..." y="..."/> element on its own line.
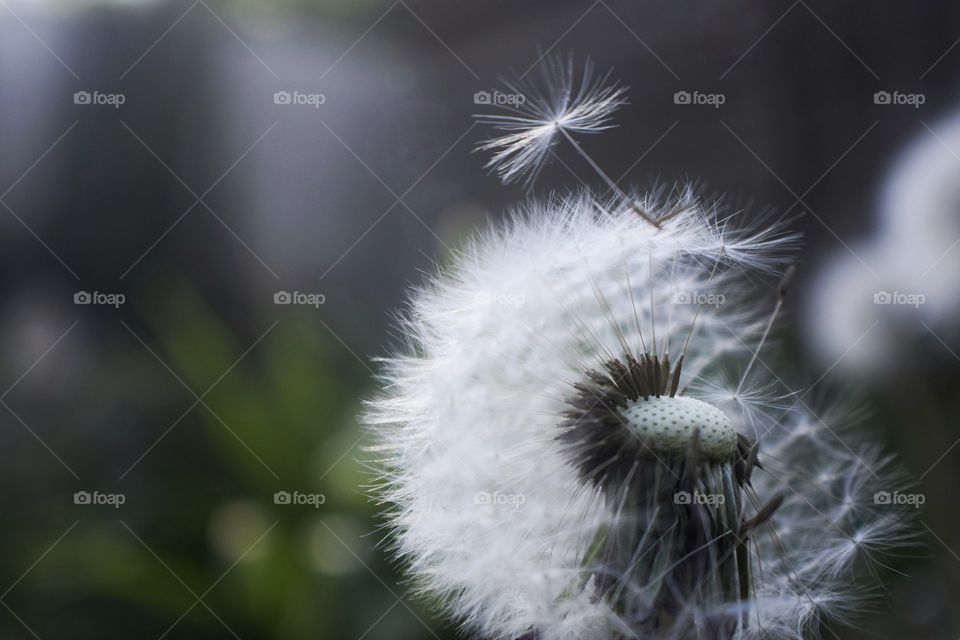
<point x="610" y="183"/>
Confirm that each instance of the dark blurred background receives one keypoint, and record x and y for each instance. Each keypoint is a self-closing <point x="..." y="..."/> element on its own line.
<point x="149" y="166"/>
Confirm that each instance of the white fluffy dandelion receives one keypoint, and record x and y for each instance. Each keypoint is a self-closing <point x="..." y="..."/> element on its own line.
<point x="582" y="438"/>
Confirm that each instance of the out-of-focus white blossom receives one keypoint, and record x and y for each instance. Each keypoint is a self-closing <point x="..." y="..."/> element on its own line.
<point x="871" y="296"/>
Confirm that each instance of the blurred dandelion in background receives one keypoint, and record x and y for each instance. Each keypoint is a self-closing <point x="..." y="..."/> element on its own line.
<point x="865" y="304"/>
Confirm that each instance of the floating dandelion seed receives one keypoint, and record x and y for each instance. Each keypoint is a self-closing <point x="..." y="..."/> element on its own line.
<point x="567" y="457"/>
<point x="561" y="107"/>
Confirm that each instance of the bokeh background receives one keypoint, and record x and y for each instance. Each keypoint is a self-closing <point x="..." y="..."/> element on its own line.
<point x="185" y="187"/>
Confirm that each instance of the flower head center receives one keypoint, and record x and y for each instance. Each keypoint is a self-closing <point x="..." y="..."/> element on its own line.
<point x="669" y="425"/>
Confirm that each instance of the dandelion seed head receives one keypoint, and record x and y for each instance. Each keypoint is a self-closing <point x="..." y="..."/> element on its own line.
<point x="523" y="492"/>
<point x="581" y="438"/>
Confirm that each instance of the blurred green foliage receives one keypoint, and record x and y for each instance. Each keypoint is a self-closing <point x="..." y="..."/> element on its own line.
<point x="200" y="549"/>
